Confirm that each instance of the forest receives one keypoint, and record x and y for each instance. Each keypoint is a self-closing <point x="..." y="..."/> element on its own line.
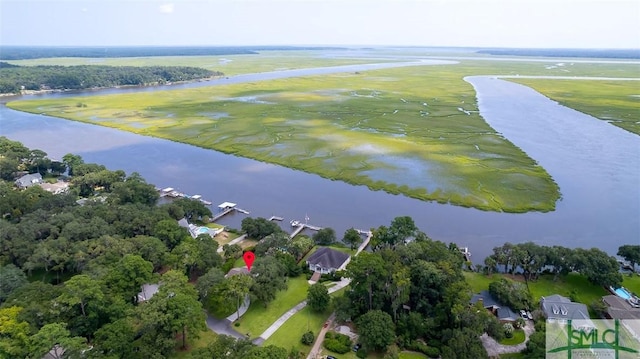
<point x="72" y="265"/>
<point x="14" y="78"/>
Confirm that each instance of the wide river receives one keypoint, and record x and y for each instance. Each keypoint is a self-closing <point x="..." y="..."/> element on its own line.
<point x="596" y="165"/>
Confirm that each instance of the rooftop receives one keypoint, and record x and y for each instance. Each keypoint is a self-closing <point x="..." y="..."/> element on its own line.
<point x="327" y="258"/>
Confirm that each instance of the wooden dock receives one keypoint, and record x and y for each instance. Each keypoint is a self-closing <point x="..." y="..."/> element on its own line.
<point x="365" y="243"/>
<point x="221" y="214"/>
<point x="465" y="253"/>
<point x="226" y="208"/>
<point x="301" y="227"/>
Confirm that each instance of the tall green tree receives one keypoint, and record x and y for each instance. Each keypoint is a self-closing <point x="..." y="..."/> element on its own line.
<point x="235" y="289"/>
<point x="115" y="340"/>
<point x="11" y="278"/>
<point x="170" y="232"/>
<point x="630" y="253"/>
<point x="269" y="278"/>
<point x="129" y="274"/>
<point x="325" y="237"/>
<point x="376" y="329"/>
<point x="368" y="273"/>
<point x="174" y="311"/>
<point x="52" y="336"/>
<point x="14" y="333"/>
<point x="352" y="238"/>
<point x="72" y="161"/>
<point x="318" y="298"/>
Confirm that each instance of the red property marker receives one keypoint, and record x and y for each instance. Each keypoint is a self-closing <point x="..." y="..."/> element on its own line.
<point x="248" y="259"/>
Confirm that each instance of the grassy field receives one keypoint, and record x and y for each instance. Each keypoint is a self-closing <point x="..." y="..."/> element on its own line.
<point x="617" y="102"/>
<point x="412" y="131"/>
<point x="573" y="284"/>
<point x="258" y="318"/>
<point x="290" y="333"/>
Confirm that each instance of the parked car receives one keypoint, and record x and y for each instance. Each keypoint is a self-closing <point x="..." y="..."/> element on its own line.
<point x="330" y="357"/>
<point x="357" y="347"/>
<point x="529" y="315"/>
<point x="523" y="314"/>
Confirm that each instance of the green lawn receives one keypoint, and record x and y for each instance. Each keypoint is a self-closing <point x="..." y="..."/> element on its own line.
<point x="583" y="291"/>
<point x="258" y="318"/>
<point x="512" y="356"/>
<point x="517" y="338"/>
<point x="632" y="283"/>
<point x="205" y="338"/>
<point x="289" y="334"/>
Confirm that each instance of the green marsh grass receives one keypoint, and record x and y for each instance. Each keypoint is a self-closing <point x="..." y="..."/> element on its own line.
<point x="414" y="131"/>
<point x="617" y="102"/>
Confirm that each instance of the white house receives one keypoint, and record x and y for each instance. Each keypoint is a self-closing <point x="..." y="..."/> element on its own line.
<point x="326" y="260"/>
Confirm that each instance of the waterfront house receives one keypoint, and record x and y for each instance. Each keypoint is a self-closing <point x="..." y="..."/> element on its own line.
<point x="29" y="180"/>
<point x="561" y="309"/>
<point x="326" y="260"/>
<point x="488" y="302"/>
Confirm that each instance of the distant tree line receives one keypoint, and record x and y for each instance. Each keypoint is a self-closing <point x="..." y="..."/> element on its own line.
<point x="592" y="53"/>
<point x="23" y="52"/>
<point x="15" y="78"/>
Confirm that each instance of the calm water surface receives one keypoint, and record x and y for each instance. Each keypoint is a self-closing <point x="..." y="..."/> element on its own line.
<point x="596" y="165"/>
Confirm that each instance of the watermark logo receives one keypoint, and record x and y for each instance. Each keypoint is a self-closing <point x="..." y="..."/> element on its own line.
<point x="585" y="338"/>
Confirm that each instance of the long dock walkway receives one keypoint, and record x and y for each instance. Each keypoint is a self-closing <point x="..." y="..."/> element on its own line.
<point x="365" y="243"/>
<point x="222" y="214"/>
<point x="301" y="227"/>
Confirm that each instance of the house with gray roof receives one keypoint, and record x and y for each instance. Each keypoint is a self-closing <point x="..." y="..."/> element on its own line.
<point x="504" y="313"/>
<point x="29" y="180"/>
<point x="618" y="308"/>
<point x="148" y="291"/>
<point x="326" y="260"/>
<point x="561" y="309"/>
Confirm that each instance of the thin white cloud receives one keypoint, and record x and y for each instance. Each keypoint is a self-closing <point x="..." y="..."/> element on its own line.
<point x="166" y="8"/>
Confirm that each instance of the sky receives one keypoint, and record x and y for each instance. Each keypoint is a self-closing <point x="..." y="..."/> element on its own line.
<point x="456" y="23"/>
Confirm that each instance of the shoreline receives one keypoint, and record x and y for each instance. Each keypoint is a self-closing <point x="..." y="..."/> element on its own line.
<point x="92" y="89"/>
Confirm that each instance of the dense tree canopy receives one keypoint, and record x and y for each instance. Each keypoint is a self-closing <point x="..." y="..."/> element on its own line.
<point x="531" y="259"/>
<point x="16" y="78"/>
<point x="318" y="298"/>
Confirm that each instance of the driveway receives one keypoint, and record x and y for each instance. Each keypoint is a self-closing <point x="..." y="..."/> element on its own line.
<point x="222" y="326"/>
<point x="494" y="349"/>
<point x="320" y="338"/>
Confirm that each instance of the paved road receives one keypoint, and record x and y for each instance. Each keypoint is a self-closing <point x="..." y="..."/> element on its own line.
<point x="222" y="326"/>
<point x="320" y="338"/>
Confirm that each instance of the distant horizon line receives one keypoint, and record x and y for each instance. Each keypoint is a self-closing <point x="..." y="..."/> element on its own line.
<point x="330" y="46"/>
